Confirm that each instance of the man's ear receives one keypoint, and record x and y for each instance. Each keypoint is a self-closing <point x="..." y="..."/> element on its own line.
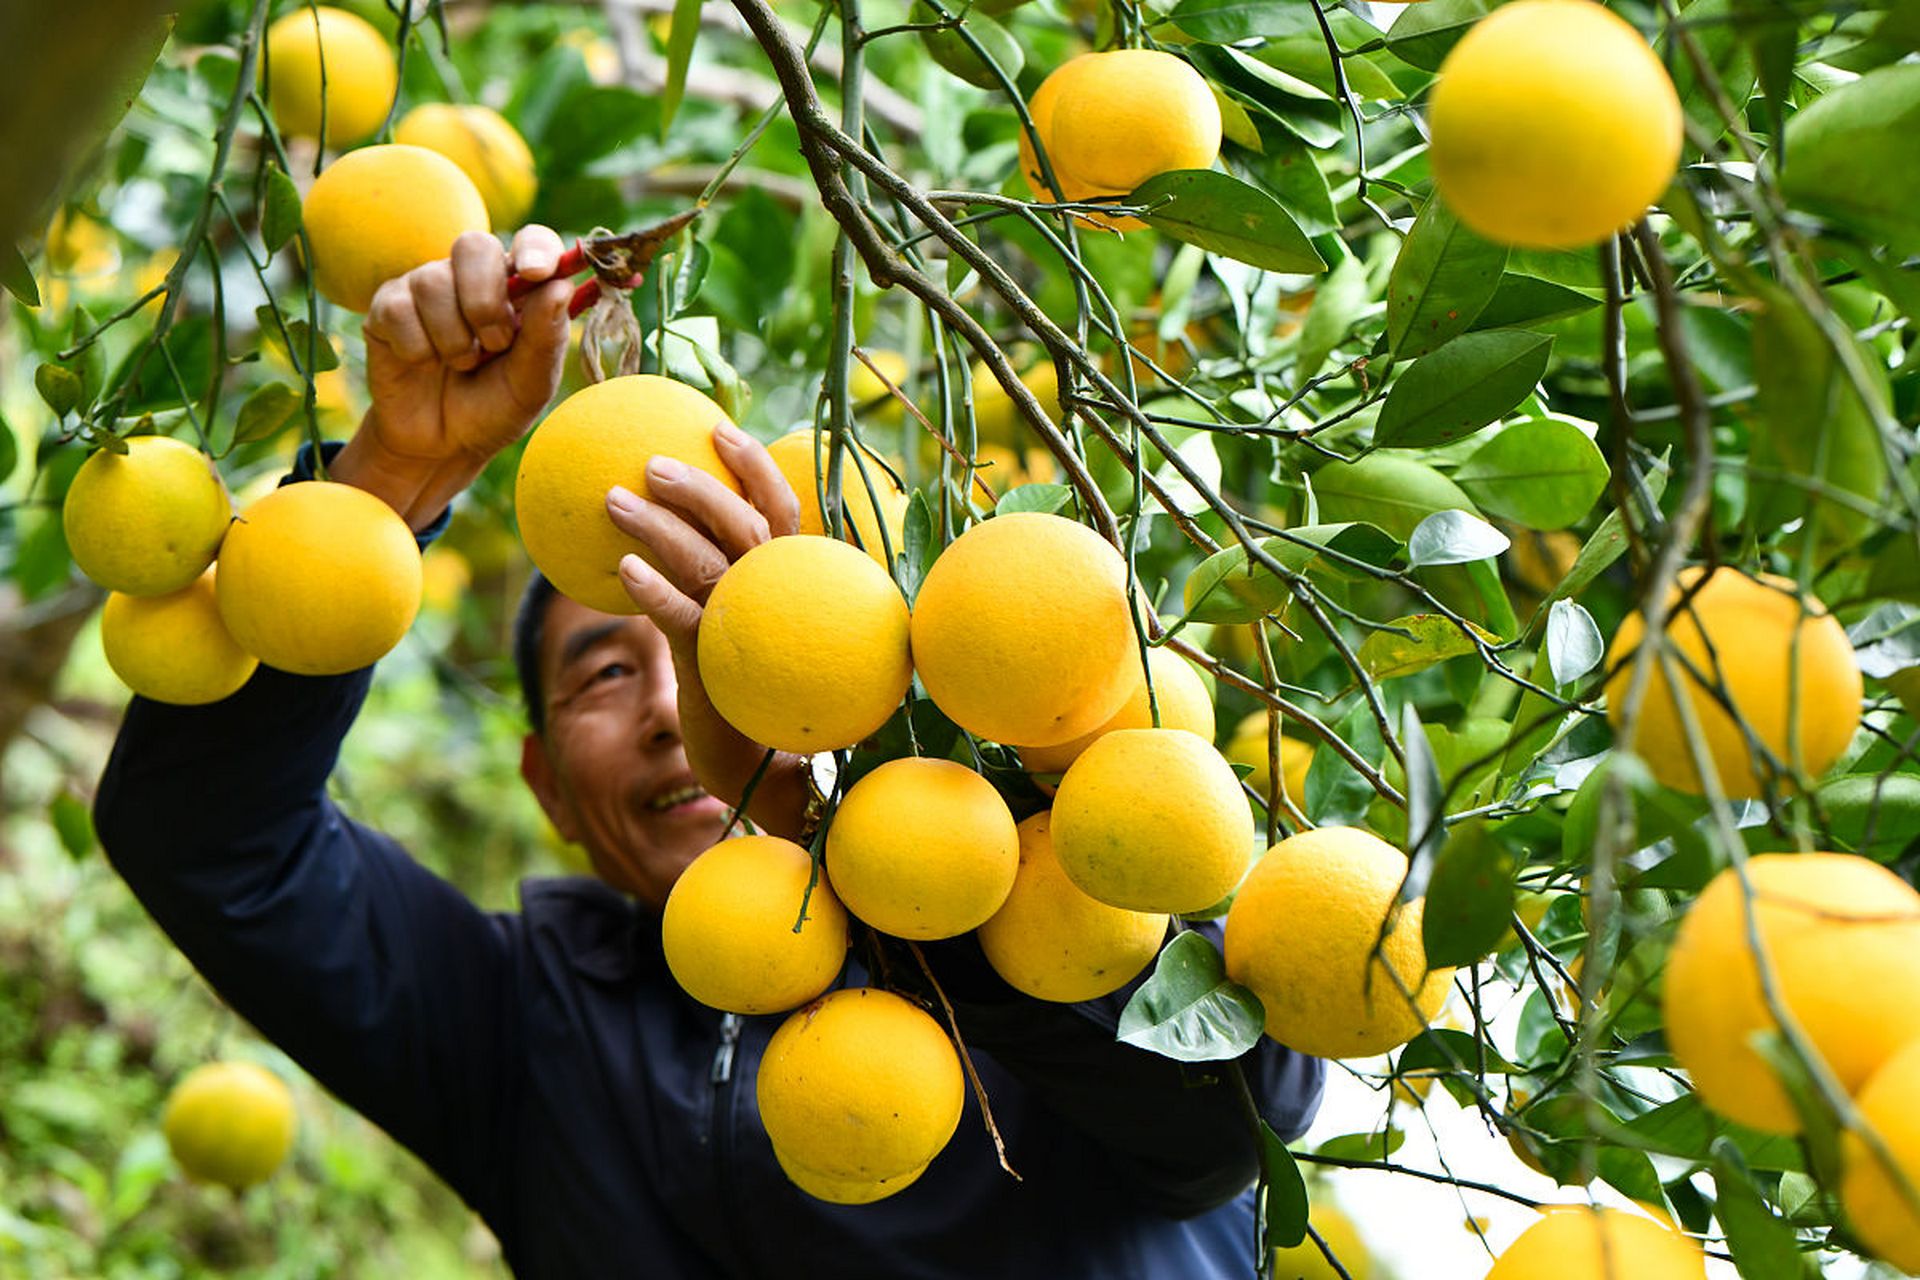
<point x="538" y="772"/>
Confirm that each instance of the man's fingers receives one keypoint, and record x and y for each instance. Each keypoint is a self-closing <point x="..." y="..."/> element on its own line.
<point x="666" y="607"/>
<point x="394" y="321"/>
<point x="536" y="252"/>
<point x="706" y="504"/>
<point x="438" y="305"/>
<point x="532" y="363"/>
<point x="766" y="487"/>
<point x="480" y="288"/>
<point x="684" y="554"/>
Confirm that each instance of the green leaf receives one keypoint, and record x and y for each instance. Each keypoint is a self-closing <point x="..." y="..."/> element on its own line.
<point x="1763" y="1246"/>
<point x="1224" y="215"/>
<point x="1812" y="428"/>
<point x="1686" y="1129"/>
<point x="1770" y="29"/>
<point x="1189" y="1010"/>
<point x="60" y="387"/>
<point x="1539" y="472"/>
<point x="1341" y="299"/>
<point x="268" y="409"/>
<point x="17" y="277"/>
<point x="1877" y="815"/>
<point x="297" y="335"/>
<point x="1362" y="1146"/>
<point x="280" y="214"/>
<point x="1469" y="897"/>
<point x="1606" y="544"/>
<point x="1454" y="537"/>
<point x="914" y="558"/>
<point x="1336" y="793"/>
<point x="1228" y="587"/>
<point x="1433" y="637"/>
<point x="1392" y="491"/>
<point x="1423" y="34"/>
<point x="1574" y="643"/>
<point x="1043" y="498"/>
<point x="1522" y="300"/>
<point x="1850" y="157"/>
<point x="681" y="35"/>
<point x="1462" y="387"/>
<point x="9" y="449"/>
<point x="1231" y="21"/>
<point x="1426" y="805"/>
<point x="90" y="364"/>
<point x="1285" y="101"/>
<point x="72" y="823"/>
<point x="1283" y="1209"/>
<point x="1442" y="280"/>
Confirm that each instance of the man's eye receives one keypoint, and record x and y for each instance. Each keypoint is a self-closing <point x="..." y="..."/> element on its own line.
<point x="609" y="671"/>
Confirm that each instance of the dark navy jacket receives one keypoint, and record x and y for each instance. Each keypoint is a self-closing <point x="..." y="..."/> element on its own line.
<point x="600" y="1121"/>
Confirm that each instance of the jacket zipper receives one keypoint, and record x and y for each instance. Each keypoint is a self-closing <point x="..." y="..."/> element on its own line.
<point x="721" y="1077"/>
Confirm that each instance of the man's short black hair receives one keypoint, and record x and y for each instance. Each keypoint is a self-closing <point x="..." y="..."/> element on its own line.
<point x="529" y="626"/>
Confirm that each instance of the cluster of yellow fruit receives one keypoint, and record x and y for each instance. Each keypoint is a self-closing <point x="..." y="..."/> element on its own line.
<point x="314" y="578"/>
<point x="230" y="1123"/>
<point x="1841" y="939"/>
<point x="378" y="212"/>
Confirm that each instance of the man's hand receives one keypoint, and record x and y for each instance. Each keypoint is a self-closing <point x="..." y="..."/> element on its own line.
<point x="696" y="528"/>
<point x="455" y="371"/>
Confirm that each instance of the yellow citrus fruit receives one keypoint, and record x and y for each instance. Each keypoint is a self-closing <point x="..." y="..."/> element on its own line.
<point x="922" y="848"/>
<point x="1840" y="934"/>
<point x="1553" y="125"/>
<point x="1305" y="1261"/>
<point x="174" y="648"/>
<point x="1128" y="114"/>
<point x="1153" y="820"/>
<point x="1040" y="108"/>
<point x="1021" y="632"/>
<point x="1177" y="687"/>
<point x="1052" y="941"/>
<point x="319" y="578"/>
<point x="78" y="245"/>
<point x="803" y="645"/>
<point x="728" y="927"/>
<point x="1248" y="746"/>
<point x="1575" y="1242"/>
<point x="1780" y="665"/>
<point x="868" y="393"/>
<point x="230" y="1123"/>
<point x="359" y="67"/>
<point x="444" y="578"/>
<point x="844" y="1190"/>
<point x="488" y="150"/>
<point x="379" y="212"/>
<point x="149" y="521"/>
<point x="859" y="1086"/>
<point x="1877" y="1206"/>
<point x="598" y="437"/>
<point x="997" y="420"/>
<point x="795" y="455"/>
<point x="1301" y="935"/>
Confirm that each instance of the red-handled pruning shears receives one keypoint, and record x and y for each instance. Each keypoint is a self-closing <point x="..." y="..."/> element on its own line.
<point x="617" y="262"/>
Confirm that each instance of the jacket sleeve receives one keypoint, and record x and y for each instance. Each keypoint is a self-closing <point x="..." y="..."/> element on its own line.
<point x="379" y="978"/>
<point x="1180" y="1131"/>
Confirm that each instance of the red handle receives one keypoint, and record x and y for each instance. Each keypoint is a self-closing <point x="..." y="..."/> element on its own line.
<point x="571" y="263"/>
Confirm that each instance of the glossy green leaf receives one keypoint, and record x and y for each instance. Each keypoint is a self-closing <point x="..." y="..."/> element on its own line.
<point x="1606" y="544"/>
<point x="1362" y="1146"/>
<point x="1393" y="491"/>
<point x="1469" y="897"/>
<point x="16" y="277"/>
<point x="1341" y="299"/>
<point x="60" y="387"/>
<point x="682" y="33"/>
<point x="1227" y="587"/>
<point x="270" y="407"/>
<point x="1336" y="792"/>
<point x="1423" y="34"/>
<point x="1574" y="645"/>
<point x="280" y="213"/>
<point x="1189" y="1010"/>
<point x="1522" y="300"/>
<point x="1043" y="498"/>
<point x="1873" y="814"/>
<point x="1849" y="156"/>
<point x="1224" y="215"/>
<point x="1430" y="638"/>
<point x="1443" y="278"/>
<point x="916" y="557"/>
<point x="9" y="449"/>
<point x="1813" y="429"/>
<point x="1426" y="804"/>
<point x="73" y="823"/>
<point x="1686" y="1129"/>
<point x="1763" y="1246"/>
<point x="1283" y="1206"/>
<point x="1230" y="21"/>
<point x="1542" y="473"/>
<point x="1453" y="537"/>
<point x="1462" y="387"/>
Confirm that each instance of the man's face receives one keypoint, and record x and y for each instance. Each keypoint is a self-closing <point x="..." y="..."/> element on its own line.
<point x="610" y="770"/>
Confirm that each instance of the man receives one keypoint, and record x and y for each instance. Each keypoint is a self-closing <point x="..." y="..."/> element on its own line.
<point x="544" y="1063"/>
